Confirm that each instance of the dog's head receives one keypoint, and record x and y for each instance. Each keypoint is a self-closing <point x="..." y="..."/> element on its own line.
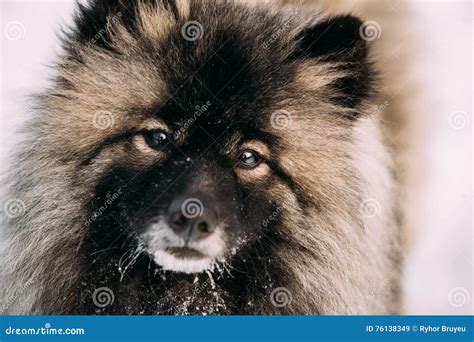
<point x="207" y="127"/>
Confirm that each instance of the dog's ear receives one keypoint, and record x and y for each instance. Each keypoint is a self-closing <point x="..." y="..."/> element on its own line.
<point x="92" y="17"/>
<point x="335" y="38"/>
<point x="340" y="40"/>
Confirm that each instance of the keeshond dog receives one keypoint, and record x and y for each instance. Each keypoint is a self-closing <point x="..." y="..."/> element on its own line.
<point x="204" y="157"/>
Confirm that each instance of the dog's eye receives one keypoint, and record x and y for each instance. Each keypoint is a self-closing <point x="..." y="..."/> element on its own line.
<point x="249" y="159"/>
<point x="156" y="138"/>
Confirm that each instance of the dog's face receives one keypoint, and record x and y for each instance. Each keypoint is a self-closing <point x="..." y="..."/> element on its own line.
<point x="202" y="144"/>
<point x="207" y="191"/>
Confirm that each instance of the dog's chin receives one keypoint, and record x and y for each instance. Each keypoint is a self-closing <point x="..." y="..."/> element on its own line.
<point x="183" y="260"/>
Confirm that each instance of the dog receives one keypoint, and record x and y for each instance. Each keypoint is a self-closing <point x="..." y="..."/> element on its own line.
<point x="211" y="157"/>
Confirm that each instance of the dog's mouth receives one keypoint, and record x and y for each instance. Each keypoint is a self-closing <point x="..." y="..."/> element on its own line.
<point x="183" y="259"/>
<point x="185" y="253"/>
<point x="172" y="253"/>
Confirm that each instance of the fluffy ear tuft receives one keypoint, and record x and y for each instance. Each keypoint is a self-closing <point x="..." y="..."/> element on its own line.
<point x="339" y="39"/>
<point x="334" y="38"/>
<point x="93" y="17"/>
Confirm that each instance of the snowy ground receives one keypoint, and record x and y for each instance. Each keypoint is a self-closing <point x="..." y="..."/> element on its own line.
<point x="439" y="274"/>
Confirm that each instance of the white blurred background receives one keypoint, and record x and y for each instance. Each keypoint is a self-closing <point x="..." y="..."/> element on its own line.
<point x="439" y="270"/>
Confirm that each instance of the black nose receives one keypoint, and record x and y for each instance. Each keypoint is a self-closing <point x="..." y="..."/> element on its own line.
<point x="191" y="218"/>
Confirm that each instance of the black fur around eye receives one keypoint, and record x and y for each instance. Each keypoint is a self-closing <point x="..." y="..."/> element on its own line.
<point x="156" y="138"/>
<point x="249" y="159"/>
